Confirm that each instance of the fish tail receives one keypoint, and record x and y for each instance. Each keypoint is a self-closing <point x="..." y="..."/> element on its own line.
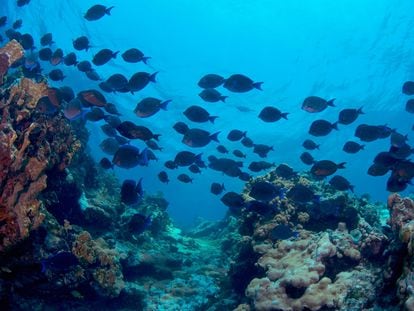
<point x="223" y="98"/>
<point x="156" y="136"/>
<point x="341" y="165"/>
<point x="222" y="187"/>
<point x="153" y="76"/>
<point x="335" y="125"/>
<point x="360" y="110"/>
<point x="362" y="147"/>
<point x="164" y="104"/>
<point x="317" y="147"/>
<point x="258" y="85"/>
<point x="215" y="137"/>
<point x="212" y="118"/>
<point x="108" y="10"/>
<point x="331" y="102"/>
<point x="284" y="115"/>
<point x="115" y="54"/>
<point x="145" y="59"/>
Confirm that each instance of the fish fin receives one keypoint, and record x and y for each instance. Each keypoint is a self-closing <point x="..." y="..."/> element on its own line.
<point x="351" y="187"/>
<point x="223" y="98"/>
<point x="212" y="118"/>
<point x="215" y="137"/>
<point x="335" y="125"/>
<point x="198" y="157"/>
<point x="258" y="85"/>
<point x="164" y="104"/>
<point x="156" y="136"/>
<point x="153" y="76"/>
<point x="115" y="54"/>
<point x="138" y="188"/>
<point x="144" y="157"/>
<point x="284" y="115"/>
<point x="244" y="134"/>
<point x="331" y="102"/>
<point x="359" y="111"/>
<point x="108" y="10"/>
<point x="362" y="147"/>
<point x="222" y="187"/>
<point x="145" y="59"/>
<point x="341" y="165"/>
<point x="317" y="147"/>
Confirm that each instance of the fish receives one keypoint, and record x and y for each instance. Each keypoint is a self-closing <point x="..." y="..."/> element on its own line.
<point x="121" y="140"/>
<point x="95" y="114"/>
<point x="397" y="139"/>
<point x="233" y="201"/>
<point x="3" y="21"/>
<point x="247" y="142"/>
<point x="111" y="108"/>
<point x="236" y="135"/>
<point x="17" y="24"/>
<point x="385" y="159"/>
<point x="64" y="93"/>
<point x="56" y="75"/>
<point x="149" y="106"/>
<point x="272" y="114"/>
<point x="217" y="188"/>
<point x="63" y="261"/>
<point x="377" y="170"/>
<point x="84" y="66"/>
<point x="409" y="106"/>
<point x="140" y="80"/>
<point x="133" y="131"/>
<point x="408" y="88"/>
<point x="131" y="191"/>
<point x="26" y="41"/>
<point x="401" y="152"/>
<point x="116" y="82"/>
<point x="186" y="158"/>
<point x="239" y="154"/>
<point x="44" y="105"/>
<point x="57" y="57"/>
<point x="92" y="98"/>
<point x="352" y="147"/>
<point x="341" y="183"/>
<point x="105" y="163"/>
<point x="163" y="177"/>
<point x="109" y="145"/>
<point x="181" y="127"/>
<point x="113" y="121"/>
<point x="244" y="176"/>
<point x="212" y="96"/>
<point x="93" y="75"/>
<point x="139" y="223"/>
<point x="282" y="232"/>
<point x="81" y="43"/>
<point x="46" y="39"/>
<point x="347" y="116"/>
<point x="152" y="144"/>
<point x="309" y="144"/>
<point x="185" y="178"/>
<point x="134" y="55"/>
<point x="396" y="185"/>
<point x="197" y="138"/>
<point x="322" y="127"/>
<point x="314" y="104"/>
<point x="222" y="149"/>
<point x="73" y="110"/>
<point x="239" y="83"/>
<point x="210" y="81"/>
<point x="70" y="59"/>
<point x="369" y="133"/>
<point x="103" y="56"/>
<point x="325" y="168"/>
<point x="198" y="114"/>
<point x="45" y="54"/>
<point x="171" y="165"/>
<point x="21" y="3"/>
<point x="403" y="170"/>
<point x="97" y="12"/>
<point x="257" y="166"/>
<point x="193" y="168"/>
<point x="227" y="166"/>
<point x="264" y="191"/>
<point x="128" y="156"/>
<point x="262" y="150"/>
<point x="285" y="171"/>
<point x="301" y="194"/>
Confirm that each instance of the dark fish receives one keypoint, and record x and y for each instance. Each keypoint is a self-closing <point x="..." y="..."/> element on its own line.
<point x="198" y="114"/>
<point x="233" y="200"/>
<point x="56" y="75"/>
<point x="17" y="24"/>
<point x="186" y="158"/>
<point x="236" y="135"/>
<point x="131" y="191"/>
<point x="239" y="84"/>
<point x="84" y="66"/>
<point x="199" y="138"/>
<point x="316" y="104"/>
<point x="163" y="177"/>
<point x="264" y="191"/>
<point x="341" y="183"/>
<point x="212" y="96"/>
<point x="117" y="82"/>
<point x="403" y="170"/>
<point x="409" y="106"/>
<point x="210" y="81"/>
<point x="13" y="34"/>
<point x="194" y="169"/>
<point x="95" y="114"/>
<point x="46" y="39"/>
<point x="171" y="165"/>
<point x="81" y="43"/>
<point x="367" y="133"/>
<point x="217" y="188"/>
<point x="106" y="164"/>
<point x="93" y="75"/>
<point x="247" y="142"/>
<point x="111" y="108"/>
<point x="44" y="105"/>
<point x="384" y="131"/>
<point x="3" y="21"/>
<point x="104" y="86"/>
<point x="401" y="152"/>
<point x="64" y="93"/>
<point x="397" y="139"/>
<point x="73" y="110"/>
<point x="322" y="127"/>
<point x="133" y="131"/>
<point x="352" y="147"/>
<point x="128" y="156"/>
<point x="104" y="56"/>
<point x="222" y="149"/>
<point x="150" y="106"/>
<point x="113" y="121"/>
<point x="27" y="42"/>
<point x="385" y="159"/>
<point x="45" y="54"/>
<point x="97" y="11"/>
<point x="140" y="80"/>
<point x="138" y="223"/>
<point x="152" y="144"/>
<point x="70" y="59"/>
<point x="262" y="150"/>
<point x="285" y="171"/>
<point x="181" y="127"/>
<point x="325" y="168"/>
<point x="396" y="185"/>
<point x="57" y="57"/>
<point x="21" y="3"/>
<point x="121" y="140"/>
<point x="239" y="154"/>
<point x="272" y="114"/>
<point x="282" y="232"/>
<point x="244" y="176"/>
<point x="109" y="145"/>
<point x="134" y="56"/>
<point x="408" y="88"/>
<point x="227" y="166"/>
<point x="257" y="166"/>
<point x="301" y="194"/>
<point x="310" y="145"/>
<point x="61" y="262"/>
<point x="92" y="98"/>
<point x="185" y="178"/>
<point x="377" y="170"/>
<point x="347" y="116"/>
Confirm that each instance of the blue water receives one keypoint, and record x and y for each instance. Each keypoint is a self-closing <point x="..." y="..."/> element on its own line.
<point x="359" y="52"/>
